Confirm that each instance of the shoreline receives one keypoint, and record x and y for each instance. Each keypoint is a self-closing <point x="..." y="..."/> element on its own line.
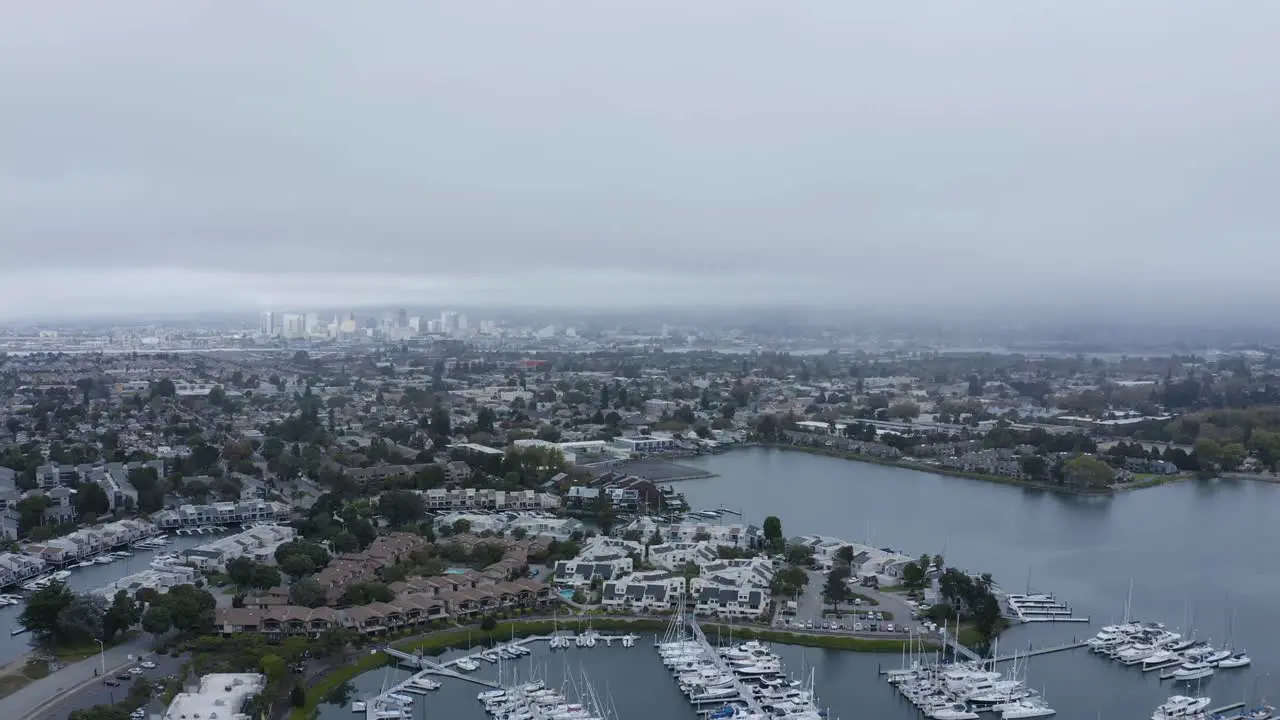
<point x="952" y="472"/>
<point x="437" y="641"/>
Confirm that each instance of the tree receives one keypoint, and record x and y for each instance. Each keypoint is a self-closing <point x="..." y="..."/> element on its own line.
<point x="1209" y="453"/>
<point x="190" y="607"/>
<point x="913" y="575"/>
<point x="31" y="513"/>
<point x="240" y="570"/>
<point x="845" y="555"/>
<point x="488" y="623"/>
<point x="604" y="513"/>
<point x="905" y="410"/>
<point x="275" y="668"/>
<point x="773" y="532"/>
<point x="123" y="614"/>
<point x="298" y="696"/>
<point x="298" y="565"/>
<point x="157" y="620"/>
<point x="100" y="712"/>
<point x="150" y="490"/>
<point x="401" y="507"/>
<point x="307" y="593"/>
<point x="91" y="498"/>
<point x="1087" y="471"/>
<point x="461" y="526"/>
<point x="43" y="608"/>
<point x="80" y="621"/>
<point x="836" y="591"/>
<point x="1033" y="466"/>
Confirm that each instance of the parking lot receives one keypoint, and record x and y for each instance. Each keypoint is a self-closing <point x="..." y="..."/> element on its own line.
<point x="100" y="693"/>
<point x="811" y="606"/>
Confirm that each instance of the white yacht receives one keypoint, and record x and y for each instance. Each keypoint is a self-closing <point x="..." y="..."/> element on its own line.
<point x="467" y="665"/>
<point x="953" y="711"/>
<point x="1193" y="671"/>
<point x="1160" y="657"/>
<point x="1027" y="709"/>
<point x="1180" y="706"/>
<point x="1238" y="660"/>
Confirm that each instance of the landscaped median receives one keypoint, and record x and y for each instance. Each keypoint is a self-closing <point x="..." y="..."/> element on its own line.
<point x="460" y="638"/>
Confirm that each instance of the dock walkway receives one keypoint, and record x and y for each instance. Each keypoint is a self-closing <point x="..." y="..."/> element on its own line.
<point x="1032" y="652"/>
<point x="744" y="693"/>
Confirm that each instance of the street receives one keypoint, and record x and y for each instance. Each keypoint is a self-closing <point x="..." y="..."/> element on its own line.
<point x="99" y="693"/>
<point x="75" y="676"/>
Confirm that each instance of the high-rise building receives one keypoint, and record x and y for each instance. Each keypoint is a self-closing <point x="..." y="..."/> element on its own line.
<point x="313" y="324"/>
<point x="268" y="324"/>
<point x="293" y="325"/>
<point x="402" y="318"/>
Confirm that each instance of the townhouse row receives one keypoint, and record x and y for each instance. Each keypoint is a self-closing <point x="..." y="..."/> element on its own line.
<point x="407" y="610"/>
<point x="223" y="513"/>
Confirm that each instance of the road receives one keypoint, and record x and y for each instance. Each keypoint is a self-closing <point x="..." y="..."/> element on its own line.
<point x="99" y="693"/>
<point x="32" y="698"/>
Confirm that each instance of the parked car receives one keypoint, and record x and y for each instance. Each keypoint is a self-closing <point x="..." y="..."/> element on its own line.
<point x="111" y="682"/>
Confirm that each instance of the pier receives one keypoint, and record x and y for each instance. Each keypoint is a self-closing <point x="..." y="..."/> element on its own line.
<point x="960" y="651"/>
<point x="1032" y="652"/>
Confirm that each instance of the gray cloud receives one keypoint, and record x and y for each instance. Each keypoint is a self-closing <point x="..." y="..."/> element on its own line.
<point x="658" y="153"/>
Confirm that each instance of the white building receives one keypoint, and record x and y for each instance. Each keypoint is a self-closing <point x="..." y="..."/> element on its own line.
<point x="479" y="522"/>
<point x="675" y="555"/>
<point x="161" y="579"/>
<point x="223" y="513"/>
<point x="221" y="696"/>
<point x="15" y="568"/>
<point x="654" y="591"/>
<point x="644" y="444"/>
<point x="549" y="527"/>
<point x="258" y="543"/>
<point x="742" y="537"/>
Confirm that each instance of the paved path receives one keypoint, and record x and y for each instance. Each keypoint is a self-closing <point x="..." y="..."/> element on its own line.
<point x="41" y="692"/>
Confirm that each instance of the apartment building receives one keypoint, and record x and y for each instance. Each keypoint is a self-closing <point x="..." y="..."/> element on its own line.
<point x="487" y="499"/>
<point x="16" y="568"/>
<point x="641" y="592"/>
<point x="408" y="610"/>
<point x="258" y="543"/>
<point x="223" y="513"/>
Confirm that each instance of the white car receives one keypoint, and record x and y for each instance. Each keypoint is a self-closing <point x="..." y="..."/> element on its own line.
<point x="135" y="671"/>
<point x="148" y="664"/>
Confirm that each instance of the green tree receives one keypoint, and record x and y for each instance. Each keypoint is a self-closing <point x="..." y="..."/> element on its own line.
<point x="845" y="555"/>
<point x="80" y="621"/>
<point x="275" y="668"/>
<point x="488" y="623"/>
<point x="306" y="592"/>
<point x="1087" y="471"/>
<point x="401" y="507"/>
<point x="40" y="616"/>
<point x="92" y="499"/>
<point x="913" y="575"/>
<point x="31" y="513"/>
<point x="298" y="696"/>
<point x="297" y="565"/>
<point x="1033" y="466"/>
<point x="461" y="526"/>
<point x="773" y="532"/>
<point x="157" y="620"/>
<point x="905" y="410"/>
<point x="123" y="614"/>
<point x="836" y="590"/>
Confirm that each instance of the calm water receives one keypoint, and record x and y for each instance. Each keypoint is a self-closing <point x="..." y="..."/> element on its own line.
<point x="1203" y="550"/>
<point x="86" y="579"/>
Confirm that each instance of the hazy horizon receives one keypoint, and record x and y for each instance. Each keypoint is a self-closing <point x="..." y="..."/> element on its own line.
<point x="1027" y="159"/>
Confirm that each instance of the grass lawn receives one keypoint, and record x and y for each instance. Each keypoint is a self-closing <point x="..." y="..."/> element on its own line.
<point x="832" y="642"/>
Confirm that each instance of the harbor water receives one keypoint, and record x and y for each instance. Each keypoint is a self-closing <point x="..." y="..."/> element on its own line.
<point x="1192" y="550"/>
<point x="87" y="579"/>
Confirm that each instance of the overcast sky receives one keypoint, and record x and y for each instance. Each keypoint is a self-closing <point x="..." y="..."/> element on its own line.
<point x="228" y="155"/>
